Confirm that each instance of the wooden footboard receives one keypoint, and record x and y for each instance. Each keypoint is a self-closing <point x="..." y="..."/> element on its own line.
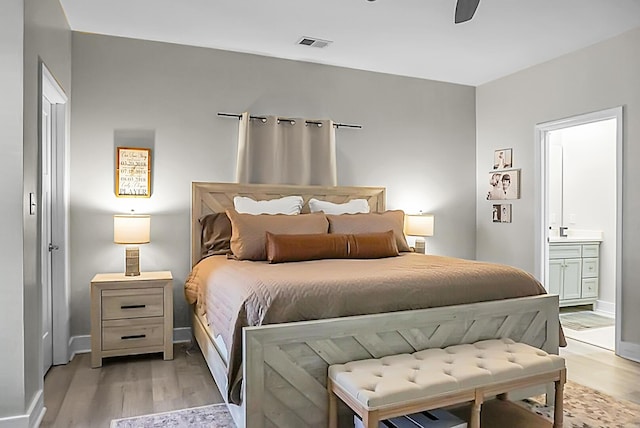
<point x="285" y="365"/>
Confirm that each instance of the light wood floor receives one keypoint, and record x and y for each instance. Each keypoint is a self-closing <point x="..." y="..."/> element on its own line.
<point x="78" y="396"/>
<point x="602" y="370"/>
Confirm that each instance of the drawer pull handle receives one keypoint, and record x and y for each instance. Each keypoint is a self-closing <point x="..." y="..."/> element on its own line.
<point x="134" y="336"/>
<point x="132" y="306"/>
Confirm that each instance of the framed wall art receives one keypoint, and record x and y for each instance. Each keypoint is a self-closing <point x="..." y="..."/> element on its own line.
<point x="133" y="172"/>
<point x="503" y="159"/>
<point x="504" y="185"/>
<point x="501" y="213"/>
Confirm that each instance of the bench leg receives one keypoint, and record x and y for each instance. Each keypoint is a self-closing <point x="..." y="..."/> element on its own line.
<point x="371" y="419"/>
<point x="333" y="406"/>
<point x="558" y="413"/>
<point x="474" y="421"/>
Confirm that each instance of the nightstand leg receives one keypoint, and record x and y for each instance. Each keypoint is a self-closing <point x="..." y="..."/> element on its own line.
<point x="96" y="361"/>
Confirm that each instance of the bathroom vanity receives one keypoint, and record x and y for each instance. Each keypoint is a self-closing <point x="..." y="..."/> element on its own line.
<point x="573" y="270"/>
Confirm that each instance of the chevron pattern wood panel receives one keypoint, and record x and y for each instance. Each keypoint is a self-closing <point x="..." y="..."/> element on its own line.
<point x="286" y="385"/>
<point x="208" y="198"/>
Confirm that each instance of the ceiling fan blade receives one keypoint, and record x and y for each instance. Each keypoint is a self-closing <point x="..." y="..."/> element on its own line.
<point x="465" y="10"/>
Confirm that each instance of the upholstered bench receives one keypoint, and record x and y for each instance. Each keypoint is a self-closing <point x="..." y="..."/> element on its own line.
<point x="397" y="385"/>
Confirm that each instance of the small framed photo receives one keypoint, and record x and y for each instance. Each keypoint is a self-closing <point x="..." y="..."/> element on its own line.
<point x="133" y="172"/>
<point x="501" y="213"/>
<point x="502" y="159"/>
<point x="504" y="185"/>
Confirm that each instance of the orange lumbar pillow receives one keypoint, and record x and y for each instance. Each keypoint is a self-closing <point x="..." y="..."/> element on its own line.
<point x="295" y="248"/>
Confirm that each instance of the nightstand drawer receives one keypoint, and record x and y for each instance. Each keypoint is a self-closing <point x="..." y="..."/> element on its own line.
<point x="132" y="303"/>
<point x="128" y="334"/>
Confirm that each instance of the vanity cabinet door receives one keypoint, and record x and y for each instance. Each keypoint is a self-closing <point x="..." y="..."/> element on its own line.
<point x="555" y="277"/>
<point x="572" y="279"/>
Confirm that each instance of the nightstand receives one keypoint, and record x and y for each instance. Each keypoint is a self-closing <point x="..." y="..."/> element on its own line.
<point x="131" y="315"/>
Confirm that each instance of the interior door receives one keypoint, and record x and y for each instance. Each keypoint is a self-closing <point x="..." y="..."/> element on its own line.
<point x="45" y="233"/>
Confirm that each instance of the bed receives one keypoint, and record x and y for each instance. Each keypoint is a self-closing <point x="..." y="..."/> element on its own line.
<point x="276" y="376"/>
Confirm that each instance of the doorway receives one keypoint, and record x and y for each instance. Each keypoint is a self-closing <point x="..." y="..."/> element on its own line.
<point x="53" y="225"/>
<point x="579" y="227"/>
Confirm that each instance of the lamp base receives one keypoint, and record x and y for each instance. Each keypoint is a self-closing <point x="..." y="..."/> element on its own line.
<point x="132" y="261"/>
<point x="420" y="245"/>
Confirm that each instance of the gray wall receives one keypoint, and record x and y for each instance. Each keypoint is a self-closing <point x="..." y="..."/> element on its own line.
<point x="30" y="30"/>
<point x="599" y="77"/>
<point x="11" y="299"/>
<point x="418" y="140"/>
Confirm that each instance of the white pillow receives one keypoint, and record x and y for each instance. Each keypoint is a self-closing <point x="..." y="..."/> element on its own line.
<point x="289" y="205"/>
<point x="354" y="206"/>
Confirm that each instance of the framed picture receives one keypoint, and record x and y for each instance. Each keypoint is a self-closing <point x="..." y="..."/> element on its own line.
<point x="504" y="185"/>
<point x="133" y="172"/>
<point x="502" y="213"/>
<point x="502" y="159"/>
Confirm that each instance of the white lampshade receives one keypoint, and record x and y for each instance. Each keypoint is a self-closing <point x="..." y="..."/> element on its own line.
<point x="419" y="225"/>
<point x="131" y="229"/>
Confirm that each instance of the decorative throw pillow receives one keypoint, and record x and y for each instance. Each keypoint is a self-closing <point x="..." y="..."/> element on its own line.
<point x="215" y="235"/>
<point x="295" y="248"/>
<point x="289" y="205"/>
<point x="353" y="206"/>
<point x="248" y="231"/>
<point x="373" y="245"/>
<point x="370" y="223"/>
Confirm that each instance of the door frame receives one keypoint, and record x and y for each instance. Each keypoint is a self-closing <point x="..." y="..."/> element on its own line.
<point x="542" y="188"/>
<point x="60" y="293"/>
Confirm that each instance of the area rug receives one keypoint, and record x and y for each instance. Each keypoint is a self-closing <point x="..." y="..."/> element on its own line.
<point x="583" y="408"/>
<point x="587" y="408"/>
<point x="212" y="416"/>
<point x="585" y="320"/>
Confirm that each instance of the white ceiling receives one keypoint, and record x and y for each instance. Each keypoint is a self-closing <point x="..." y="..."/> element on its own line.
<point x="405" y="37"/>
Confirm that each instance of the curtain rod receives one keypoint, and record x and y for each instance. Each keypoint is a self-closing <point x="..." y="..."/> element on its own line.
<point x="264" y="118"/>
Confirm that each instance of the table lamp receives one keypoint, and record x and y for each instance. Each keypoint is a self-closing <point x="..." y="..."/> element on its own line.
<point x="131" y="229"/>
<point x="419" y="225"/>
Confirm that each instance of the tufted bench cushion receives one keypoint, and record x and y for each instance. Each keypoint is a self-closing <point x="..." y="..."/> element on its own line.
<point x="401" y="379"/>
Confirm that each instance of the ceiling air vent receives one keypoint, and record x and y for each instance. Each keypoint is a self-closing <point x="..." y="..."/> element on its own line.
<point x="315" y="43"/>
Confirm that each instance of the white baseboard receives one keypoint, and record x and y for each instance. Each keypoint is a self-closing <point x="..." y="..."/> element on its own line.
<point x="607" y="309"/>
<point x="31" y="419"/>
<point x="82" y="344"/>
<point x="79" y="345"/>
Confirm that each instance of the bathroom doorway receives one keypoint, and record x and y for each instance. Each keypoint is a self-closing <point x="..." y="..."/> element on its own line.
<point x="579" y="222"/>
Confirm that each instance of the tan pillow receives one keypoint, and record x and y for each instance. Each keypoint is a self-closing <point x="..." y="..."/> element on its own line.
<point x="371" y="223"/>
<point x="248" y="231"/>
<point x="295" y="248"/>
<point x="215" y="235"/>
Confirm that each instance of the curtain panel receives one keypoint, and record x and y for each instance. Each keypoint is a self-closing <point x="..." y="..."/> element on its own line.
<point x="286" y="151"/>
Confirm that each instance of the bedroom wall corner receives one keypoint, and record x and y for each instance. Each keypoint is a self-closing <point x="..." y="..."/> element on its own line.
<point x="509" y="108"/>
<point x="418" y="140"/>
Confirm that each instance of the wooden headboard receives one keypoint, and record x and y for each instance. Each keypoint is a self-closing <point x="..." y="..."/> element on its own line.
<point x="216" y="197"/>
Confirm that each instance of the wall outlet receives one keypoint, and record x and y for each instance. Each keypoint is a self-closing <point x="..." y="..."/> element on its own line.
<point x="572" y="219"/>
